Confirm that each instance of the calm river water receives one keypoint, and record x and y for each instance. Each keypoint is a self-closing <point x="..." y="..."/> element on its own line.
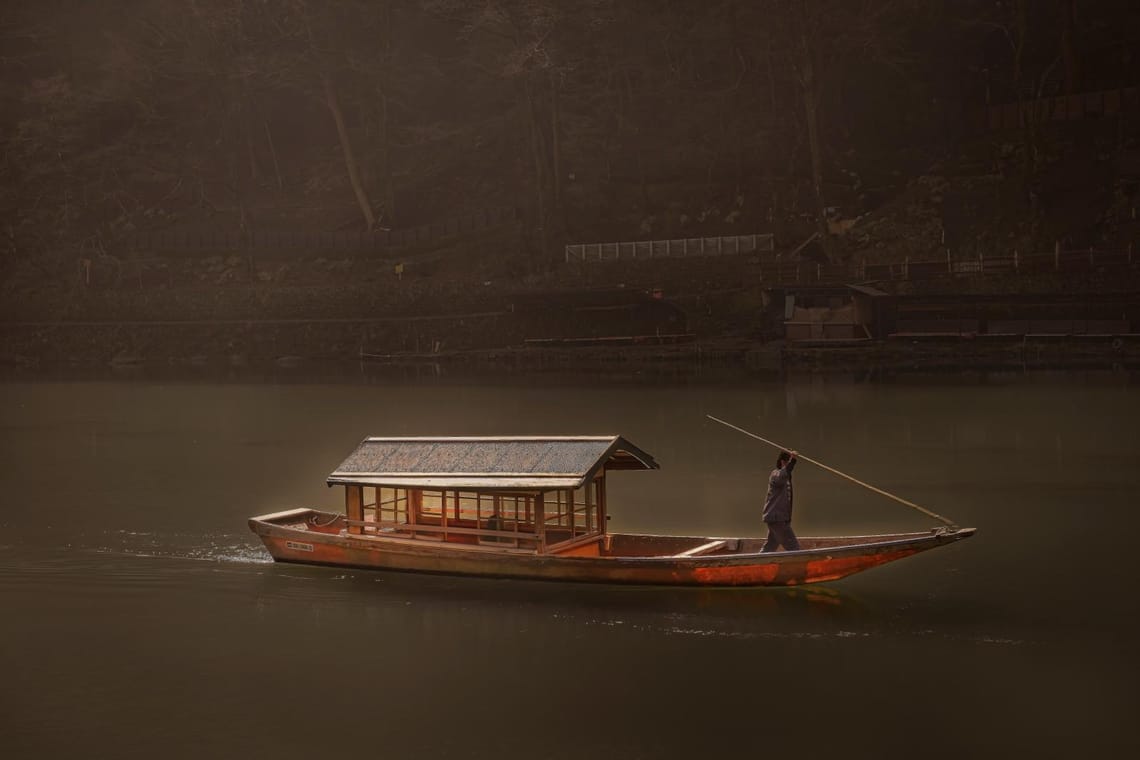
<point x="140" y="618"/>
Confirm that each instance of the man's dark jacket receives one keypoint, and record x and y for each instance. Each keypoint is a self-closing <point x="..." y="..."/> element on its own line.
<point x="778" y="504"/>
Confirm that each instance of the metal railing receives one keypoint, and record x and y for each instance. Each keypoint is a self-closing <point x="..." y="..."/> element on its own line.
<point x="673" y="248"/>
<point x="1014" y="265"/>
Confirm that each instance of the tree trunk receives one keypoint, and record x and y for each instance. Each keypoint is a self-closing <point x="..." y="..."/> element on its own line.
<point x="273" y="152"/>
<point x="387" y="190"/>
<point x="809" y="93"/>
<point x="1069" y="45"/>
<point x="539" y="169"/>
<point x="250" y="152"/>
<point x="1021" y="31"/>
<point x="349" y="158"/>
<point x="249" y="127"/>
<point x="811" y="111"/>
<point x="1027" y="105"/>
<point x="555" y="143"/>
<point x="773" y="104"/>
<point x="639" y="152"/>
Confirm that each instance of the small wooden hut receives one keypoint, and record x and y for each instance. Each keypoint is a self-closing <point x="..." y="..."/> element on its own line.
<point x="532" y="494"/>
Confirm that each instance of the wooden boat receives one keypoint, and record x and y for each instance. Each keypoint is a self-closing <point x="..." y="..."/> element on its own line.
<point x="528" y="507"/>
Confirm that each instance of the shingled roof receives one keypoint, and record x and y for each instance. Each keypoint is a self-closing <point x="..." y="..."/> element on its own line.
<point x="531" y="463"/>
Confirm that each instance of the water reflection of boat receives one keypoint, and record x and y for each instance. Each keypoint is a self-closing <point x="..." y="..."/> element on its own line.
<point x="535" y="507"/>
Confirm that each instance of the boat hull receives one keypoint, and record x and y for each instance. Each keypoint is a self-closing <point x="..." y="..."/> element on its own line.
<point x="289" y="538"/>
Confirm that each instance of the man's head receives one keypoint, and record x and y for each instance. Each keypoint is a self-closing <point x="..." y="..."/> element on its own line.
<point x="782" y="459"/>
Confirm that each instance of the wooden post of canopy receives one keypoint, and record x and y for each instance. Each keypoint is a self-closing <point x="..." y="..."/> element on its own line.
<point x="600" y="499"/>
<point x="585" y="513"/>
<point x="603" y="521"/>
<point x="443" y="513"/>
<point x="354" y="507"/>
<point x="540" y="522"/>
<point x="415" y="507"/>
<point x="602" y="503"/>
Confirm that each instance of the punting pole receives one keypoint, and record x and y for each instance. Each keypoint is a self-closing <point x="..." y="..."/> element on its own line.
<point x="950" y="523"/>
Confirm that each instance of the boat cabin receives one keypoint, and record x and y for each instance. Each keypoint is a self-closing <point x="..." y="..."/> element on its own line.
<point x="534" y="495"/>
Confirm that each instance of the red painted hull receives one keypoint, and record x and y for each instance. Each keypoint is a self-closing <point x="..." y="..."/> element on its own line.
<point x="288" y="539"/>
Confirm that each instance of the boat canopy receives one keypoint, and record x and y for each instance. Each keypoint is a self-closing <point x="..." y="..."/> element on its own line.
<point x="500" y="463"/>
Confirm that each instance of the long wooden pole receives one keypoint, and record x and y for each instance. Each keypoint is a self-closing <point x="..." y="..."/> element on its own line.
<point x="834" y="471"/>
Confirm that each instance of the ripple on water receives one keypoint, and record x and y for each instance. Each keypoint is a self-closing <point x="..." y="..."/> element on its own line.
<point x="100" y="560"/>
<point x="208" y="547"/>
<point x="730" y="631"/>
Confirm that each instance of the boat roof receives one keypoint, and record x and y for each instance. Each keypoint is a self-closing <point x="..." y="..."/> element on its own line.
<point x="514" y="462"/>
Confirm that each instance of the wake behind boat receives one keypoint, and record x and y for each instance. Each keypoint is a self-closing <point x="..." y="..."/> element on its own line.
<point x="535" y="507"/>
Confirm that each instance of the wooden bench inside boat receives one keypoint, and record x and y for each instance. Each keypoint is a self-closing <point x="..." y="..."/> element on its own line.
<point x="697" y="551"/>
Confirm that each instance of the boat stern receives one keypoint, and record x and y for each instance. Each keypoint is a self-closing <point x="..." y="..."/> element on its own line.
<point x="298" y="535"/>
<point x="289" y="518"/>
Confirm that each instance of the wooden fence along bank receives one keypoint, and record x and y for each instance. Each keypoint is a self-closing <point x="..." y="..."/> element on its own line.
<point x="771" y="269"/>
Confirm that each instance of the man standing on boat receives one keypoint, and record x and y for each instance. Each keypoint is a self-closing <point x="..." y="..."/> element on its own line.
<point x="778" y="505"/>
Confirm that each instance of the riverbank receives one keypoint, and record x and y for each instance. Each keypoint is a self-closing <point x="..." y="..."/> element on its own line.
<point x="287" y="343"/>
<point x="953" y="352"/>
<point x="637" y="315"/>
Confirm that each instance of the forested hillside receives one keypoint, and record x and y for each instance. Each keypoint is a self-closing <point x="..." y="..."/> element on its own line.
<point x="595" y="119"/>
